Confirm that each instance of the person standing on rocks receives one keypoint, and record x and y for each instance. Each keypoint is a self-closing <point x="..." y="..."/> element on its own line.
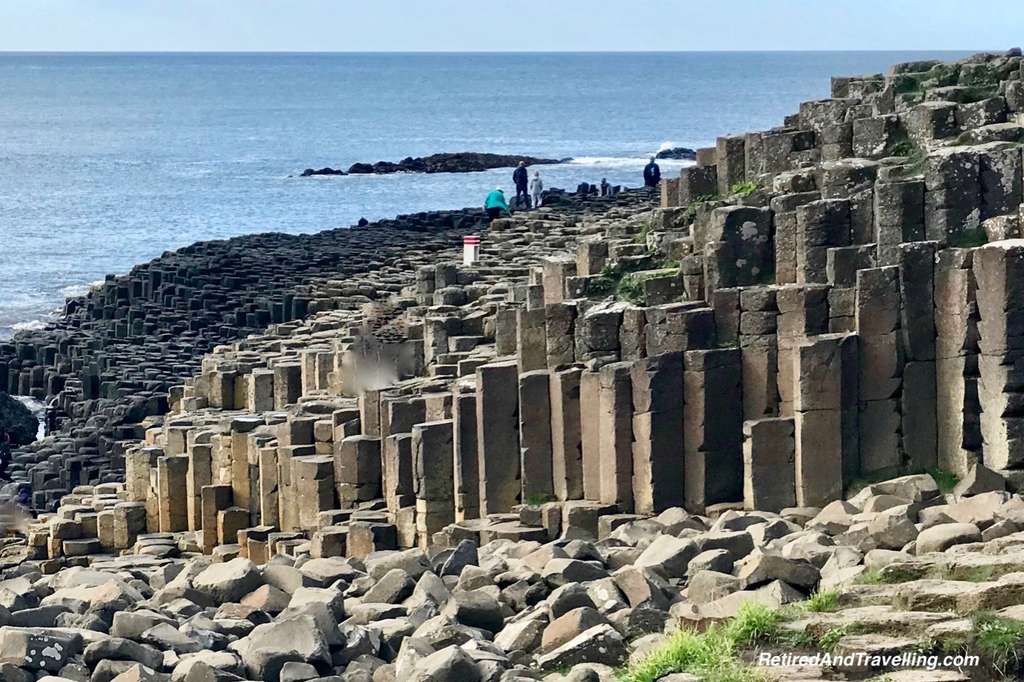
<point x="5" y="455"/>
<point x="652" y="174"/>
<point x="521" y="177"/>
<point x="606" y="189"/>
<point x="495" y="204"/>
<point x="536" y="189"/>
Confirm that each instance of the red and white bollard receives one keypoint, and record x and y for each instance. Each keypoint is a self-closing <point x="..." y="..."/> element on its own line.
<point x="470" y="249"/>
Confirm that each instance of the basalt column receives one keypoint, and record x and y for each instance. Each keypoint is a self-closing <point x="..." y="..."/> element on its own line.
<point x="433" y="478"/>
<point x="497" y="428"/>
<point x="712" y="427"/>
<point x="825" y="382"/>
<point x="958" y="430"/>
<point x="658" y="466"/>
<point x="881" y="370"/>
<point x="999" y="269"/>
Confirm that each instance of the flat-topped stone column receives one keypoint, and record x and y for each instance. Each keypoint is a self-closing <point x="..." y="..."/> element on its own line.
<point x="172" y="483"/>
<point x="956" y="366"/>
<point x="769" y="451"/>
<point x="712" y="427"/>
<point x="357" y="469"/>
<point x="657" y="427"/>
<point x="615" y="435"/>
<point x="497" y="428"/>
<point x="466" y="455"/>
<point x="568" y="465"/>
<point x="535" y="435"/>
<point x="880" y="370"/>
<point x="433" y="478"/>
<point x="826" y="453"/>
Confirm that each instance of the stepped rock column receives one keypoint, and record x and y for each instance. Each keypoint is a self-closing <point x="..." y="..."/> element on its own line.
<point x="172" y="484"/>
<point x="712" y="427"/>
<point x="615" y="435"/>
<point x="569" y="471"/>
<point x="917" y="336"/>
<point x="769" y="450"/>
<point x="434" y="478"/>
<point x="956" y="361"/>
<point x="657" y="450"/>
<point x="497" y="428"/>
<point x="826" y="453"/>
<point x="535" y="435"/>
<point x="999" y="270"/>
<point x="466" y="456"/>
<point x="880" y="366"/>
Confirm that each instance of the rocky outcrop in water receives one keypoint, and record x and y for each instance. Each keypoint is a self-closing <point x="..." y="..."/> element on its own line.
<point x="460" y="162"/>
<point x="677" y="153"/>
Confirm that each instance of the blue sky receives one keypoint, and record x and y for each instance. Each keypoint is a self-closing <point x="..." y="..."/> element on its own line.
<point x="501" y="25"/>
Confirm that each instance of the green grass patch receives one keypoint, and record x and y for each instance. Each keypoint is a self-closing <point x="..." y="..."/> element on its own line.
<point x="831" y="637"/>
<point x="890" y="575"/>
<point x="968" y="239"/>
<point x="946" y="480"/>
<point x="1000" y="640"/>
<point x="697" y="202"/>
<point x="744" y="189"/>
<point x="711" y="655"/>
<point x="822" y="602"/>
<point x="537" y="499"/>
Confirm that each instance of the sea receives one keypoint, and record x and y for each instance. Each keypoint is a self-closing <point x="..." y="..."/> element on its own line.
<point x="107" y="160"/>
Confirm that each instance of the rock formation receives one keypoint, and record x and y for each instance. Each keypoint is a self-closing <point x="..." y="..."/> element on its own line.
<point x="621" y="420"/>
<point x="459" y="162"/>
<point x="17" y="421"/>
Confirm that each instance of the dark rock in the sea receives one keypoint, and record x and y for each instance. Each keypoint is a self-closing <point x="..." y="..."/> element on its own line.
<point x="17" y="420"/>
<point x="460" y="162"/>
<point x="363" y="222"/>
<point x="677" y="153"/>
<point x="327" y="170"/>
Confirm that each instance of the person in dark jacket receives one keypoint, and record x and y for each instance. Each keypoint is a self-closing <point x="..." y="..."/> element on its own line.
<point x="521" y="177"/>
<point x="5" y="455"/>
<point x="652" y="174"/>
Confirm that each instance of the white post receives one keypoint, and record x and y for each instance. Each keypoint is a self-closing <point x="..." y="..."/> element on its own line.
<point x="470" y="249"/>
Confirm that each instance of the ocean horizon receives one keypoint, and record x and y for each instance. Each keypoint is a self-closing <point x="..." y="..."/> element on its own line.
<point x="110" y="159"/>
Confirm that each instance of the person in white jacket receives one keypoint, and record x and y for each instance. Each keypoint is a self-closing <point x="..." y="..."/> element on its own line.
<point x="536" y="189"/>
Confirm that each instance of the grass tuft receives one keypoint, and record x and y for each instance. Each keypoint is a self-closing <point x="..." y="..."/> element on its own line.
<point x="831" y="637"/>
<point x="823" y="602"/>
<point x="744" y="189"/>
<point x="710" y="655"/>
<point x="754" y="623"/>
<point x="1000" y="640"/>
<point x="946" y="480"/>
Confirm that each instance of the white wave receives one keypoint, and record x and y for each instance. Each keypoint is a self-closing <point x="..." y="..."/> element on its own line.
<point x="667" y="145"/>
<point x="73" y="290"/>
<point x="624" y="161"/>
<point x="31" y="324"/>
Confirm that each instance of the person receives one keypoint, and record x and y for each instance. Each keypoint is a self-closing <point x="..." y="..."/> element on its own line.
<point x="5" y="454"/>
<point x="495" y="204"/>
<point x="652" y="174"/>
<point x="25" y="496"/>
<point x="521" y="177"/>
<point x="536" y="189"/>
<point x="606" y="189"/>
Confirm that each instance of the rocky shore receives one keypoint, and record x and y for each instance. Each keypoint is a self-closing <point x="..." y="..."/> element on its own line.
<point x="459" y="162"/>
<point x="776" y="413"/>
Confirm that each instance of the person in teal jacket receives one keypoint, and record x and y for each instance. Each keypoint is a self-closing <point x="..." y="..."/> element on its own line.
<point x="495" y="204"/>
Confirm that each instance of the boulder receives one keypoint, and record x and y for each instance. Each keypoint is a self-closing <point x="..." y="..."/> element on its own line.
<point x="229" y="581"/>
<point x="942" y="537"/>
<point x="17" y="420"/>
